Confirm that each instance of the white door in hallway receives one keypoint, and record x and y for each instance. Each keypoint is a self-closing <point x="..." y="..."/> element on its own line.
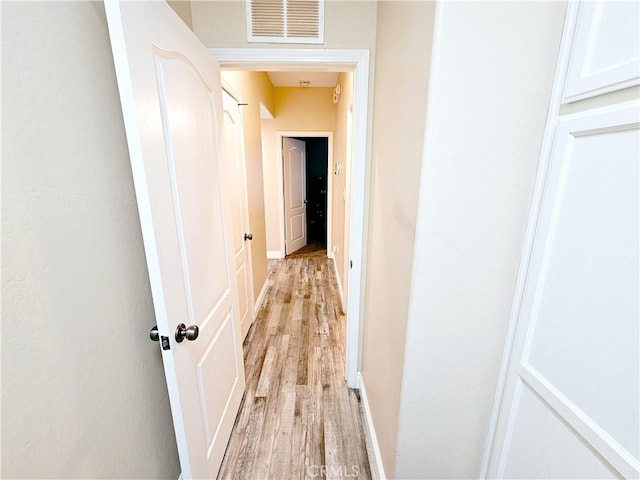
<point x="171" y="99"/>
<point x="236" y="179"/>
<point x="570" y="405"/>
<point x="295" y="194"/>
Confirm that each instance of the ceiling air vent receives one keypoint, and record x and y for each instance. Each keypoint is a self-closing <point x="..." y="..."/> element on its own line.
<point x="285" y="21"/>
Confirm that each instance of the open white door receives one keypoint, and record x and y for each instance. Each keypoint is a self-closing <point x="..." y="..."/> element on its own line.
<point x="295" y="193"/>
<point x="170" y="93"/>
<point x="236" y="179"/>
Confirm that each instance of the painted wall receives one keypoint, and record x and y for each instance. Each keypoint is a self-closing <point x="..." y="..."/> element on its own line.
<point x="296" y="109"/>
<point x="254" y="88"/>
<point x="183" y="9"/>
<point x="401" y="79"/>
<point x="83" y="390"/>
<point x="348" y="24"/>
<point x="489" y="93"/>
<point x="341" y="183"/>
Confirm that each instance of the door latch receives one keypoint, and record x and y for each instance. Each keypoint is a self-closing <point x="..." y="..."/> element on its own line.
<point x="155" y="336"/>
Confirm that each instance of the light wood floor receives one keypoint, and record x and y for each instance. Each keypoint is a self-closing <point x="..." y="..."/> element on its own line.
<point x="297" y="419"/>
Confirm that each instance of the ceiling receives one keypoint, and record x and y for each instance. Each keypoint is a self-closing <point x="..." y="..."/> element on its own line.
<point x="293" y="79"/>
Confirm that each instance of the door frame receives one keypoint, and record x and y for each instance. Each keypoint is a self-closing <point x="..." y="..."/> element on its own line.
<point x="357" y="61"/>
<point x="280" y="178"/>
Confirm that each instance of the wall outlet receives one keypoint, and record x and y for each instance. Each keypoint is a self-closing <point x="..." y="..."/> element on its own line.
<point x="335" y="249"/>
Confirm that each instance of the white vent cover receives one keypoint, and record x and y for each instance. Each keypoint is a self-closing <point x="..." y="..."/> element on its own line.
<point x="285" y="21"/>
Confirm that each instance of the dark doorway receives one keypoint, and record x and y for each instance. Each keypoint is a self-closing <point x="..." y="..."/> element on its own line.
<point x="317" y="154"/>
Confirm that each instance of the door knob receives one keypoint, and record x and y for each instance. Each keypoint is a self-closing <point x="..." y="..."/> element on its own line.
<point x="248" y="236"/>
<point x="190" y="333"/>
<point x="153" y="334"/>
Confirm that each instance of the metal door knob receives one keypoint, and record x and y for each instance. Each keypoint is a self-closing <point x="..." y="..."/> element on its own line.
<point x="248" y="236"/>
<point x="190" y="333"/>
<point x="153" y="334"/>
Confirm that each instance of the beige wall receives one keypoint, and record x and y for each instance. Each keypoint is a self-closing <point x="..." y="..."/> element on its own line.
<point x="83" y="390"/>
<point x="340" y="182"/>
<point x="254" y="88"/>
<point x="489" y="96"/>
<point x="401" y="80"/>
<point x="299" y="110"/>
<point x="348" y="24"/>
<point x="183" y="9"/>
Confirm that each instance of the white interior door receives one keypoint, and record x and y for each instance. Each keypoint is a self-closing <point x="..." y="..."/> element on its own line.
<point x="171" y="99"/>
<point x="295" y="194"/>
<point x="235" y="178"/>
<point x="570" y="403"/>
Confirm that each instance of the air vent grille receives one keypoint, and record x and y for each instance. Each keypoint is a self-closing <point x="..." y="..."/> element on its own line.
<point x="285" y="21"/>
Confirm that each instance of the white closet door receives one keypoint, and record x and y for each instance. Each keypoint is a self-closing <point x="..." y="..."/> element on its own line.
<point x="568" y="400"/>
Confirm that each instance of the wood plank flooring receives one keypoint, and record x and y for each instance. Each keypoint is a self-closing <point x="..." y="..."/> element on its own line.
<point x="298" y="419"/>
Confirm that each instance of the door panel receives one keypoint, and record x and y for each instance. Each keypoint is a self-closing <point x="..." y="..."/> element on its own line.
<point x="574" y="380"/>
<point x="562" y="454"/>
<point x="201" y="247"/>
<point x="592" y="257"/>
<point x="170" y="94"/>
<point x="295" y="192"/>
<point x="215" y="384"/>
<point x="606" y="52"/>
<point x="235" y="177"/>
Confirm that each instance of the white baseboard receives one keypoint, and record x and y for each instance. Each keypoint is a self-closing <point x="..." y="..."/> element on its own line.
<point x="260" y="299"/>
<point x="340" y="291"/>
<point x="370" y="430"/>
<point x="275" y="254"/>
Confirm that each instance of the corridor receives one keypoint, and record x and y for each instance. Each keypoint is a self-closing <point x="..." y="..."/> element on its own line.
<point x="297" y="419"/>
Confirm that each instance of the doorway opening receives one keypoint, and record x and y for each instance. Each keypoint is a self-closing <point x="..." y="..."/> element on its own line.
<point x="317" y="161"/>
<point x="352" y="256"/>
<point x="306" y="183"/>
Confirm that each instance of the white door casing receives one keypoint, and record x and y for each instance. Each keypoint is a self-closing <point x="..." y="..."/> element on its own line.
<point x="171" y="100"/>
<point x="295" y="194"/>
<point x="568" y="395"/>
<point x="236" y="180"/>
<point x="356" y="60"/>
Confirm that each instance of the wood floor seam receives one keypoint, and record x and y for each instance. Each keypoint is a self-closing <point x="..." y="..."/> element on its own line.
<point x="298" y="419"/>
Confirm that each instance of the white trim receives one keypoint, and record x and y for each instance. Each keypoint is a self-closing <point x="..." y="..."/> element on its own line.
<point x="226" y="86"/>
<point x="275" y="254"/>
<point x="355" y="60"/>
<point x="181" y="476"/>
<point x="258" y="303"/>
<point x="370" y="430"/>
<point x="265" y="114"/>
<point x="338" y="282"/>
<point x="280" y="178"/>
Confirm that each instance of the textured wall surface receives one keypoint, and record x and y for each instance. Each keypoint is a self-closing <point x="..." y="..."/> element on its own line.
<point x="223" y="23"/>
<point x="295" y="110"/>
<point x="401" y="81"/>
<point x="83" y="389"/>
<point x="341" y="182"/>
<point x="489" y="94"/>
